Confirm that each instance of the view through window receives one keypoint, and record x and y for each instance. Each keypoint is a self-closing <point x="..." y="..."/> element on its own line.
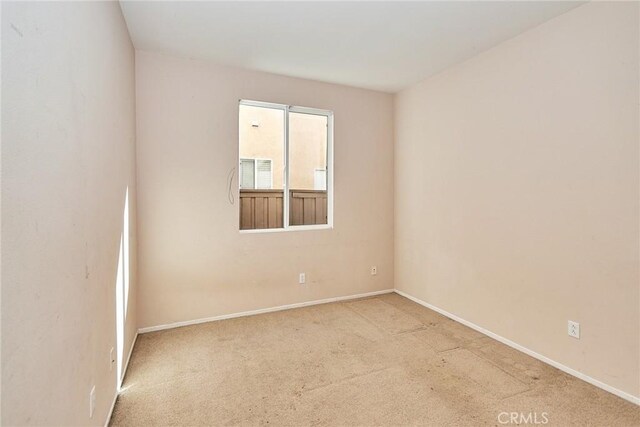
<point x="284" y="150"/>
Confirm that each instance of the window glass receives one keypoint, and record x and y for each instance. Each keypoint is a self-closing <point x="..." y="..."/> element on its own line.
<point x="264" y="178"/>
<point x="247" y="173"/>
<point x="283" y="181"/>
<point x="307" y="169"/>
<point x="261" y="169"/>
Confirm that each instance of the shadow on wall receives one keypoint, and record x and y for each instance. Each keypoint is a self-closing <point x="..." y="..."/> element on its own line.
<point x="122" y="289"/>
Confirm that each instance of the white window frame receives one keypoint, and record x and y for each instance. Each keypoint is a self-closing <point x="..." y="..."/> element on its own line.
<point x="285" y="214"/>
<point x="255" y="172"/>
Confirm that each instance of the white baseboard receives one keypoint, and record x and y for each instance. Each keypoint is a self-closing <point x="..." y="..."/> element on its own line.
<point x="119" y="381"/>
<point x="261" y="311"/>
<point x="631" y="398"/>
<point x="624" y="395"/>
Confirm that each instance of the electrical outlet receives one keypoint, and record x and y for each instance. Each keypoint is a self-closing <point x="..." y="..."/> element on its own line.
<point x="574" y="329"/>
<point x="92" y="401"/>
<point x="302" y="279"/>
<point x="112" y="359"/>
<point x="374" y="270"/>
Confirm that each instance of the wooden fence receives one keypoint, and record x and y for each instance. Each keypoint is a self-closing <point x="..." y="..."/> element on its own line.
<point x="261" y="209"/>
<point x="308" y="207"/>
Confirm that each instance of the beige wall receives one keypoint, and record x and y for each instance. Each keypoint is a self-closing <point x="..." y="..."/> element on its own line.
<point x="68" y="132"/>
<point x="516" y="191"/>
<point x="196" y="264"/>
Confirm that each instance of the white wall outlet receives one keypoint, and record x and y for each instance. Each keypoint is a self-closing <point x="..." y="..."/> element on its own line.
<point x="112" y="359"/>
<point x="302" y="279"/>
<point x="92" y="401"/>
<point x="574" y="329"/>
<point x="374" y="270"/>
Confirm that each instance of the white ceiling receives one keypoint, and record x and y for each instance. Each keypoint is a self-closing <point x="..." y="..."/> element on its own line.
<point x="377" y="45"/>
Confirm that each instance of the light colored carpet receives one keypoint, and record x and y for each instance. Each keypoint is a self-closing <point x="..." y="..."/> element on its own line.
<point x="377" y="361"/>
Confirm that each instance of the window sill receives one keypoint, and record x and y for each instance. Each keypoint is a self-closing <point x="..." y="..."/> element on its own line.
<point x="290" y="228"/>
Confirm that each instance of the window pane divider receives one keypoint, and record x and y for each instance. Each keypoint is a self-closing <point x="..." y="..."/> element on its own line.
<point x="285" y="196"/>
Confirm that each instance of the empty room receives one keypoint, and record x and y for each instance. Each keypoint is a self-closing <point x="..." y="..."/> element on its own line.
<point x="320" y="213"/>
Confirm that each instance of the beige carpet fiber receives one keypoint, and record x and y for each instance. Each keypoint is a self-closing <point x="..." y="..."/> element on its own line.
<point x="376" y="361"/>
